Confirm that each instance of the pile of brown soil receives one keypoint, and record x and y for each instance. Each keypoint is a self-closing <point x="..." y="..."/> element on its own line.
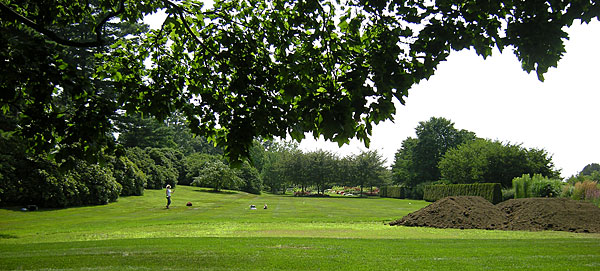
<point x="461" y="212"/>
<point x="557" y="214"/>
<point x="531" y="214"/>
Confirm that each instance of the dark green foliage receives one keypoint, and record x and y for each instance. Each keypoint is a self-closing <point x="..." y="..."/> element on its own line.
<point x="588" y="170"/>
<point x="194" y="163"/>
<point x="237" y="69"/>
<point x="319" y="169"/>
<point x="434" y="138"/>
<point x="131" y="178"/>
<point x="546" y="188"/>
<point x="173" y="132"/>
<point x="33" y="179"/>
<point x="508" y="193"/>
<point x="273" y="172"/>
<point x="417" y="160"/>
<point x="398" y="192"/>
<point x="99" y="185"/>
<point x="217" y="175"/>
<point x="490" y="191"/>
<point x="484" y="160"/>
<point x="403" y="192"/>
<point x="148" y="132"/>
<point x="403" y="170"/>
<point x="42" y="184"/>
<point x="157" y="166"/>
<point x="367" y="170"/>
<point x="250" y="177"/>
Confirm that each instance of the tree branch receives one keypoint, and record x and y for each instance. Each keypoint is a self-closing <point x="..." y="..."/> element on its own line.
<point x="54" y="37"/>
<point x="181" y="16"/>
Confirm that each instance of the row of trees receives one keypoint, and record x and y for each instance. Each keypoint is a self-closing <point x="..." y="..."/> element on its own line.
<point x="287" y="166"/>
<point x="442" y="153"/>
<point x="143" y="163"/>
<point x="151" y="154"/>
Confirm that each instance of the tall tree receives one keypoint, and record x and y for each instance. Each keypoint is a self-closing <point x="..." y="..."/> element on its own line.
<point x="218" y="175"/>
<point x="589" y="169"/>
<point x="320" y="170"/>
<point x="242" y="69"/>
<point x="276" y="171"/>
<point x="403" y="169"/>
<point x="368" y="169"/>
<point x="138" y="131"/>
<point x="417" y="160"/>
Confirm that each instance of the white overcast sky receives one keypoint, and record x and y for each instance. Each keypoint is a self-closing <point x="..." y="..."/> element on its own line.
<point x="496" y="99"/>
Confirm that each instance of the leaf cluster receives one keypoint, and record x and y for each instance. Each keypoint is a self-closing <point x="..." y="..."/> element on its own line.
<point x="242" y="69"/>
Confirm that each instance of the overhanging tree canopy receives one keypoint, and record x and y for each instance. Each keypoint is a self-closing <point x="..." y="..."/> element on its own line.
<point x="242" y="69"/>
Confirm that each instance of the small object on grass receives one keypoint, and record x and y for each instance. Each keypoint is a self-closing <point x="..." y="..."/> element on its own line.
<point x="265" y="206"/>
<point x="252" y="207"/>
<point x="189" y="203"/>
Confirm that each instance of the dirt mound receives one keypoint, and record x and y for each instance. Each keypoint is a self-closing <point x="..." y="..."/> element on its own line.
<point x="461" y="212"/>
<point x="557" y="214"/>
<point x="531" y="214"/>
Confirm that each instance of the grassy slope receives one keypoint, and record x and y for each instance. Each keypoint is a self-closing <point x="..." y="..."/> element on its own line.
<point x="221" y="233"/>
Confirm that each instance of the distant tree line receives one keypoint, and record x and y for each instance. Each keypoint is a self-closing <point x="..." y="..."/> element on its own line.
<point x="286" y="166"/>
<point x="151" y="154"/>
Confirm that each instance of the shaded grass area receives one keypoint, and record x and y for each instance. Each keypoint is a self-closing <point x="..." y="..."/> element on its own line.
<point x="304" y="254"/>
<point x="220" y="232"/>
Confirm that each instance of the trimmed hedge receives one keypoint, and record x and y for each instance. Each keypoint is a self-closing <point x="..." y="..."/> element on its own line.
<point x="489" y="191"/>
<point x="398" y="192"/>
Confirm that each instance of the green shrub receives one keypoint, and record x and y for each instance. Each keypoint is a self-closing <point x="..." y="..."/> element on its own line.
<point x="101" y="186"/>
<point x="537" y="186"/>
<point x="521" y="185"/>
<point x="398" y="192"/>
<point x="250" y="177"/>
<point x="218" y="175"/>
<point x="567" y="191"/>
<point x="545" y="187"/>
<point x="131" y="178"/>
<point x="508" y="193"/>
<point x="489" y="191"/>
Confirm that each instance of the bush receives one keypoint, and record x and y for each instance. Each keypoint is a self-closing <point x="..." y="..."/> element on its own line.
<point x="218" y="176"/>
<point x="102" y="187"/>
<point x="508" y="193"/>
<point x="40" y="182"/>
<point x="567" y="191"/>
<point x="586" y="190"/>
<point x="537" y="186"/>
<point x="194" y="163"/>
<point x="156" y="165"/>
<point x="402" y="192"/>
<point x="131" y="178"/>
<point x="544" y="187"/>
<point x="398" y="192"/>
<point x="490" y="191"/>
<point x="250" y="177"/>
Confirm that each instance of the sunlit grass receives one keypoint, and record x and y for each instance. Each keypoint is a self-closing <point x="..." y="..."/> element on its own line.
<point x="220" y="232"/>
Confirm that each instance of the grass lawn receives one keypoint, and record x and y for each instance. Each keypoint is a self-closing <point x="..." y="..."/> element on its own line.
<point x="220" y="232"/>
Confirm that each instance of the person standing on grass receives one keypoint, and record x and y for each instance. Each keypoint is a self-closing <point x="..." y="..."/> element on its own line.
<point x="168" y="195"/>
